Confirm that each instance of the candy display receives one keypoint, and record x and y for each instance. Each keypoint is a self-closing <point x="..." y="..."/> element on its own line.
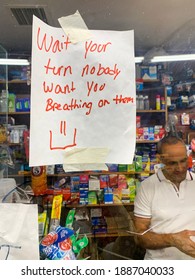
<point x="62" y="243"/>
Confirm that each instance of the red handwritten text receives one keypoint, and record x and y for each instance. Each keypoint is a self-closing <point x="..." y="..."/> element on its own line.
<point x="121" y="99"/>
<point x="57" y="89"/>
<point x="100" y="70"/>
<point x="59" y="71"/>
<point x="93" y="47"/>
<point x="74" y="104"/>
<point x="103" y="102"/>
<point x="95" y="87"/>
<point x="49" y="43"/>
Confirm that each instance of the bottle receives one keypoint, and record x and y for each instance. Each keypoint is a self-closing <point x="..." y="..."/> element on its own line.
<point x="141" y="102"/>
<point x="157" y="102"/>
<point x="39" y="180"/>
<point x="168" y="101"/>
<point x="16" y="138"/>
<point x="162" y="103"/>
<point x="3" y="101"/>
<point x="137" y="102"/>
<point x="146" y="103"/>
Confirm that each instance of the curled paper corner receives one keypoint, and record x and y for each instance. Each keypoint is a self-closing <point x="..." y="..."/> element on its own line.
<point x="75" y="27"/>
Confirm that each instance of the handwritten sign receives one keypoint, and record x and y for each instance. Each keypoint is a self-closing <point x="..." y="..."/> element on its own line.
<point x="82" y="96"/>
<point x="19" y="236"/>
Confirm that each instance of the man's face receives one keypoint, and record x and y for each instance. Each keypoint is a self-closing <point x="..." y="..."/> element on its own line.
<point x="175" y="160"/>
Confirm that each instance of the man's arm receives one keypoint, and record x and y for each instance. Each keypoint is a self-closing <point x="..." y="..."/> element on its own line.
<point x="151" y="240"/>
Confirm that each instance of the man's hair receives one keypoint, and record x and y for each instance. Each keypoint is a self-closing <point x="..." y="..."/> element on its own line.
<point x="168" y="140"/>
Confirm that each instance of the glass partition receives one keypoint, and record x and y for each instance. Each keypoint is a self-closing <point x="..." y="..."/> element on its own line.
<point x="165" y="101"/>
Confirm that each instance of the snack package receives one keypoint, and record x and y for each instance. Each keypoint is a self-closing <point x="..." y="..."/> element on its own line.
<point x="56" y="211"/>
<point x="70" y="218"/>
<point x="39" y="180"/>
<point x="57" y="244"/>
<point x="42" y="220"/>
<point x="62" y="243"/>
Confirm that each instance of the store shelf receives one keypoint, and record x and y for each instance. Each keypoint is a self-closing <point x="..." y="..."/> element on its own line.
<point x="94" y="173"/>
<point x="19" y="175"/>
<point x="11" y="144"/>
<point x="151" y="111"/>
<point x="98" y="205"/>
<point x="14" y="82"/>
<point x="151" y="81"/>
<point x="105" y="235"/>
<point x="146" y="141"/>
<point x="15" y="113"/>
<point x="78" y="174"/>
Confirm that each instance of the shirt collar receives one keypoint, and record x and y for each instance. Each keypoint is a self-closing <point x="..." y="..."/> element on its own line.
<point x="161" y="176"/>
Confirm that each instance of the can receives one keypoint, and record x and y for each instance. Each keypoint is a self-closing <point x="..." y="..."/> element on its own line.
<point x="162" y="104"/>
<point x="157" y="102"/>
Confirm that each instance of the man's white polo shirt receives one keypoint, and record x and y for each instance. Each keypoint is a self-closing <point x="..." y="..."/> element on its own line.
<point x="173" y="210"/>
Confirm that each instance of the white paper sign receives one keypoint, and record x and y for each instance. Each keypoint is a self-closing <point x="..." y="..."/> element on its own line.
<point x="82" y="96"/>
<point x="19" y="231"/>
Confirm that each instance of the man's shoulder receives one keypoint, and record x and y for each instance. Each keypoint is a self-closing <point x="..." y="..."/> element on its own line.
<point x="150" y="182"/>
<point x="152" y="177"/>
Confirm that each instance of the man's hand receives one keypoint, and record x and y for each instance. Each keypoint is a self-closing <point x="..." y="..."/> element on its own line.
<point x="183" y="241"/>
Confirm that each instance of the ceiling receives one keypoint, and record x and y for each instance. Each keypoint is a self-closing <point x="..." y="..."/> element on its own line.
<point x="169" y="24"/>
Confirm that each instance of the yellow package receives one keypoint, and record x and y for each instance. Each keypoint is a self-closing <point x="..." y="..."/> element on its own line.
<point x="56" y="211"/>
<point x="42" y="218"/>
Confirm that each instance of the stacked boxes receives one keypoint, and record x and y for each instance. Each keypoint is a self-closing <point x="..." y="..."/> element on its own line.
<point x="98" y="222"/>
<point x="83" y="189"/>
<point x="113" y="180"/>
<point x="99" y="225"/>
<point x="104" y="181"/>
<point x="22" y="104"/>
<point x="74" y="189"/>
<point x="149" y="72"/>
<point x="150" y="133"/>
<point x="108" y="195"/>
<point x="59" y="169"/>
<point x="94" y="184"/>
<point x="105" y="188"/>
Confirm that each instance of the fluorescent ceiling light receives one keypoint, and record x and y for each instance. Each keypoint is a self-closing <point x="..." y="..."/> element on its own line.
<point x="179" y="57"/>
<point x="139" y="59"/>
<point x="9" y="61"/>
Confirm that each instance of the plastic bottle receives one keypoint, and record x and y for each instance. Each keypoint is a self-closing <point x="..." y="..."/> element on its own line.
<point x="137" y="102"/>
<point x="16" y="136"/>
<point x="146" y="103"/>
<point x="39" y="180"/>
<point x="157" y="102"/>
<point x="141" y="102"/>
<point x="12" y="136"/>
<point x="162" y="103"/>
<point x="3" y="101"/>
